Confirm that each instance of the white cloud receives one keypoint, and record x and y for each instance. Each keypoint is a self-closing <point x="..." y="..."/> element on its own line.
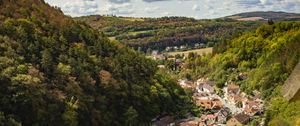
<point x="118" y="9"/>
<point x="151" y="9"/>
<point x="119" y="1"/>
<point x="80" y="7"/>
<point x="196" y="7"/>
<point x="264" y="1"/>
<point x="165" y="14"/>
<point x="153" y="0"/>
<point x="190" y="8"/>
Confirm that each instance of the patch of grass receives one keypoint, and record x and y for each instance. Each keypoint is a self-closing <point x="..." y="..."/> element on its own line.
<point x="197" y="51"/>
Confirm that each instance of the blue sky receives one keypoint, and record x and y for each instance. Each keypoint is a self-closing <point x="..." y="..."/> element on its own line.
<point x="200" y="9"/>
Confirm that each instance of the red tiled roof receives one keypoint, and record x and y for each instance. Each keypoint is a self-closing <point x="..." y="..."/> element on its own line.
<point x="242" y="118"/>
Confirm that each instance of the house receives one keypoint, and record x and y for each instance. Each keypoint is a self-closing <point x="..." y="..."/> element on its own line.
<point x="183" y="47"/>
<point x="184" y="83"/>
<point x="219" y="117"/>
<point x="209" y="120"/>
<point x="161" y="66"/>
<point x="168" y="48"/>
<point x="164" y="120"/>
<point x="210" y="103"/>
<point x="202" y="44"/>
<point x="190" y="123"/>
<point x="222" y="116"/>
<point x="175" y="48"/>
<point x="205" y="86"/>
<point x="154" y="52"/>
<point x="201" y="95"/>
<point x="238" y="120"/>
<point x="232" y="89"/>
<point x="235" y="99"/>
<point x="208" y="88"/>
<point x="204" y="81"/>
<point x="252" y="107"/>
<point x="257" y="96"/>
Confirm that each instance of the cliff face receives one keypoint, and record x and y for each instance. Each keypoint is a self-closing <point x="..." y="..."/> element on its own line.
<point x="291" y="86"/>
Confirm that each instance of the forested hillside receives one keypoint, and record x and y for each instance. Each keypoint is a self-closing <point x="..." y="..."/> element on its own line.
<point x="56" y="71"/>
<point x="260" y="60"/>
<point x="159" y="33"/>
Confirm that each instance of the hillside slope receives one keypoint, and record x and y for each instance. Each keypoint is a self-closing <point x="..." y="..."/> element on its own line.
<point x="160" y="33"/>
<point x="55" y="71"/>
<point x="260" y="60"/>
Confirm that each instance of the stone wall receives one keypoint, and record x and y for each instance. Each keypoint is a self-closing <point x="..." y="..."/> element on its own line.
<point x="291" y="86"/>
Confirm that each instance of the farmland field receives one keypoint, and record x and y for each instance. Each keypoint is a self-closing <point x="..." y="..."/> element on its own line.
<point x="197" y="51"/>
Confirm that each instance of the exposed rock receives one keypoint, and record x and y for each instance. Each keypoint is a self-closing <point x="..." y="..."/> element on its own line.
<point x="292" y="84"/>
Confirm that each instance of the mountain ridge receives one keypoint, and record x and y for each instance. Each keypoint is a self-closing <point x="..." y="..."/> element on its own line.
<point x="267" y="15"/>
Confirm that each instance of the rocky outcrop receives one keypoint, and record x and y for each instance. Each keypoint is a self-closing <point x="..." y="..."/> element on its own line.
<point x="291" y="86"/>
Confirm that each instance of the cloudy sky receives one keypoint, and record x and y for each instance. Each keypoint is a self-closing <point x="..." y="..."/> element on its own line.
<point x="200" y="9"/>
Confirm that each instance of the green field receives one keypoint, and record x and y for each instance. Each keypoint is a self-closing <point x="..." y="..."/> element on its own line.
<point x="197" y="51"/>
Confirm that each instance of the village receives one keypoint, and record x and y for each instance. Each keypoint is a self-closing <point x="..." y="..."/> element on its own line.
<point x="226" y="106"/>
<point x="231" y="107"/>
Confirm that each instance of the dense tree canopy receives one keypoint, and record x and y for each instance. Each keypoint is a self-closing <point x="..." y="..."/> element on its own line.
<point x="159" y="33"/>
<point x="55" y="71"/>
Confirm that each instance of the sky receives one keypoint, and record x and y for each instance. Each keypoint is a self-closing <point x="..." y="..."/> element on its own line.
<point x="199" y="9"/>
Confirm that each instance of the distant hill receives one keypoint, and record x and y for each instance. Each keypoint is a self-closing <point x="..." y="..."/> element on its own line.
<point x="160" y="33"/>
<point x="265" y="15"/>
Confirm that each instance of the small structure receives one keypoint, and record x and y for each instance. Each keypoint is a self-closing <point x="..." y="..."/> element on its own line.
<point x="184" y="83"/>
<point x="161" y="66"/>
<point x="205" y="86"/>
<point x="210" y="103"/>
<point x="232" y="89"/>
<point x="222" y="116"/>
<point x="257" y="96"/>
<point x="238" y="120"/>
<point x="168" y="48"/>
<point x="201" y="95"/>
<point x="175" y="48"/>
<point x="183" y="47"/>
<point x="209" y="120"/>
<point x="189" y="123"/>
<point x="235" y="99"/>
<point x="252" y="107"/>
<point x="217" y="118"/>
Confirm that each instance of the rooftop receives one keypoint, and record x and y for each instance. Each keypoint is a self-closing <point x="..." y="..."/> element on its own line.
<point x="242" y="118"/>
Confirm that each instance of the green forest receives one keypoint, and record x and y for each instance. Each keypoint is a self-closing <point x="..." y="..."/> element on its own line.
<point x="56" y="71"/>
<point x="159" y="33"/>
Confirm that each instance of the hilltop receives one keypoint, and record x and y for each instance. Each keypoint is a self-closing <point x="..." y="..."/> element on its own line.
<point x="265" y="15"/>
<point x="161" y="33"/>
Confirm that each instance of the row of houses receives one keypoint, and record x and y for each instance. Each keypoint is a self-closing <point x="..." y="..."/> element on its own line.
<point x="231" y="109"/>
<point x="184" y="47"/>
